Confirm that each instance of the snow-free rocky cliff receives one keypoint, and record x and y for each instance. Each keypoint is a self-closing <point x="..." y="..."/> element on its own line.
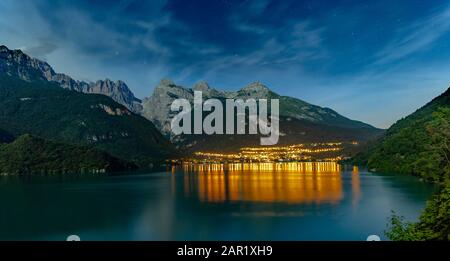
<point x="157" y="107"/>
<point x="17" y="63"/>
<point x="299" y="121"/>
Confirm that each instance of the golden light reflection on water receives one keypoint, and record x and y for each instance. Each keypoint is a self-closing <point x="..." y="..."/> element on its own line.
<point x="299" y="182"/>
<point x="356" y="186"/>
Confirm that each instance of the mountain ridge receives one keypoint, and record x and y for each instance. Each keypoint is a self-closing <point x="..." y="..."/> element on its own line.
<point x="300" y="118"/>
<point x="300" y="122"/>
<point x="43" y="109"/>
<point x="156" y="107"/>
<point x="17" y="63"/>
<point x="415" y="144"/>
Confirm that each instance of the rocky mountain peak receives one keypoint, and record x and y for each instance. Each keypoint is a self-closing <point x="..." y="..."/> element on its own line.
<point x="201" y="86"/>
<point x="157" y="107"/>
<point x="168" y="87"/>
<point x="256" y="90"/>
<point x="209" y="92"/>
<point x="166" y="82"/>
<point x="17" y="63"/>
<point x="3" y="49"/>
<point x="256" y="86"/>
<point x="107" y="81"/>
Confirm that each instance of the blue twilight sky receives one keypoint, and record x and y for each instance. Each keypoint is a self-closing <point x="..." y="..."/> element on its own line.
<point x="374" y="61"/>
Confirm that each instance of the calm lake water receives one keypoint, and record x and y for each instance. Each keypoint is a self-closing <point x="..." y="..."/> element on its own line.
<point x="290" y="201"/>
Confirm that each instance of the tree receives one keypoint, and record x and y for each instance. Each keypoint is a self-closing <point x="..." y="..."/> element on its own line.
<point x="434" y="222"/>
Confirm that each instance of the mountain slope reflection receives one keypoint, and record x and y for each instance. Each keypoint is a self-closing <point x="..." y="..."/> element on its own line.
<point x="300" y="182"/>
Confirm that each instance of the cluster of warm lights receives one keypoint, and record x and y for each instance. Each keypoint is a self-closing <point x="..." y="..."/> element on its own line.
<point x="296" y="146"/>
<point x="297" y="152"/>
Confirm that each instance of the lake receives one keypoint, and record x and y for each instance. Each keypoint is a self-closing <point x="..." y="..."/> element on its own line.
<point x="265" y="201"/>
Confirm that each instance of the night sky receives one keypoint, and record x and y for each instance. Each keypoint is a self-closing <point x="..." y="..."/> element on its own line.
<point x="375" y="61"/>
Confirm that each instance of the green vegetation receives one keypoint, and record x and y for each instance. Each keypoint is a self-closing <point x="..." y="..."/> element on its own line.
<point x="291" y="107"/>
<point x="32" y="155"/>
<point x="418" y="145"/>
<point x="434" y="223"/>
<point x="43" y="109"/>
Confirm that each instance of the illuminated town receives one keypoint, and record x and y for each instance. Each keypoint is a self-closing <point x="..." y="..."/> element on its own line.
<point x="330" y="152"/>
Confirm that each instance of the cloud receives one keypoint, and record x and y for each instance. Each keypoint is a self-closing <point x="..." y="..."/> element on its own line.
<point x="291" y="43"/>
<point x="42" y="50"/>
<point x="258" y="7"/>
<point x="153" y="34"/>
<point x="417" y="37"/>
<point x="334" y="55"/>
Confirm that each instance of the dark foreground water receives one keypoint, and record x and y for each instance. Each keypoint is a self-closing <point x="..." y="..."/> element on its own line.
<point x="291" y="201"/>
